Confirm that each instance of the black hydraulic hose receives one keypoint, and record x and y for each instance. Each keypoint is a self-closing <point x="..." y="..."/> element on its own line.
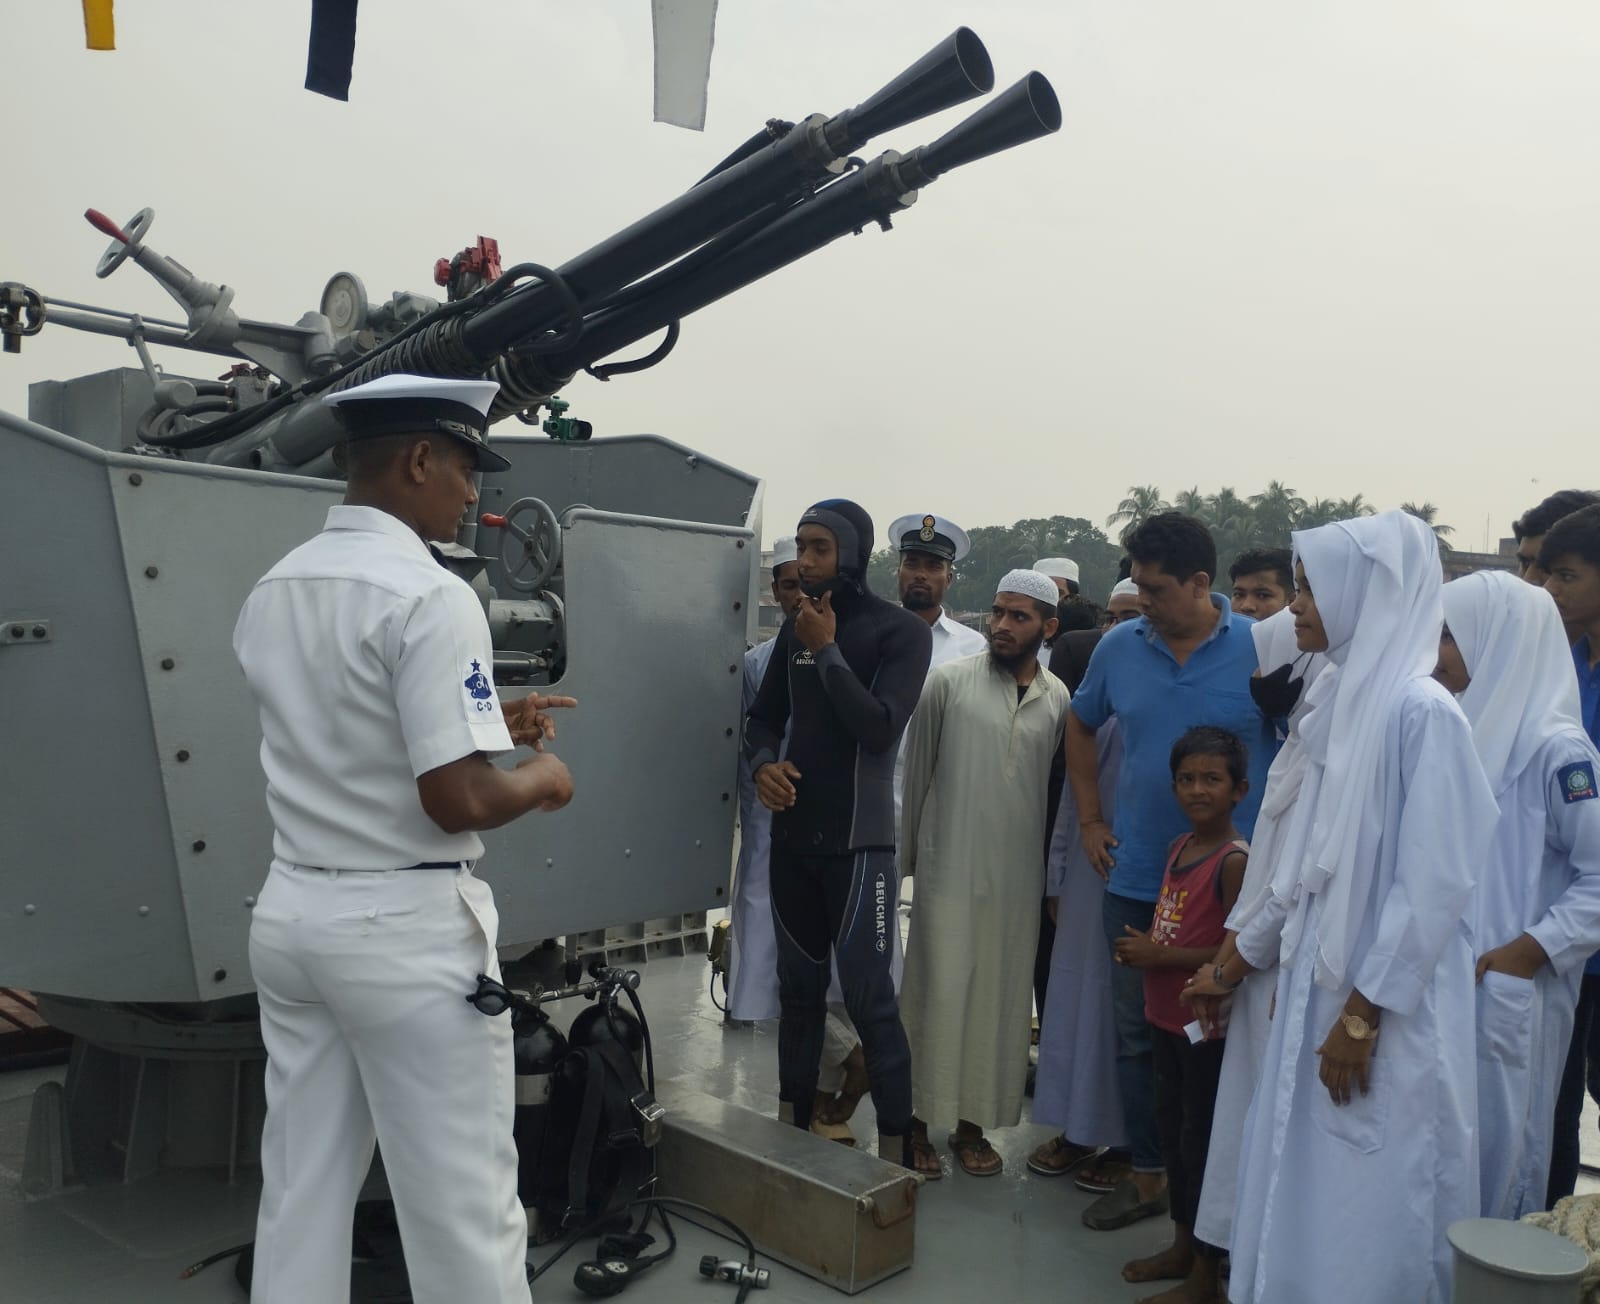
<point x="606" y="370"/>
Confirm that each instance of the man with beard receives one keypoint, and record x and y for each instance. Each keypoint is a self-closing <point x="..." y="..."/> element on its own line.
<point x="930" y="548"/>
<point x="972" y="831"/>
<point x="845" y="675"/>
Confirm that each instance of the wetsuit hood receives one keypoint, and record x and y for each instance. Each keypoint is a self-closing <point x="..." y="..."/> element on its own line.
<point x="851" y="528"/>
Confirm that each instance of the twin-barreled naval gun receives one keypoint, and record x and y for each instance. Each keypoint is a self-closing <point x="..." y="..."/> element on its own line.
<point x="621" y="570"/>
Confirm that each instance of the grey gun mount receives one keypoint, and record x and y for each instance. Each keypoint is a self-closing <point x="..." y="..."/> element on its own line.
<point x="137" y="508"/>
<point x="789" y="190"/>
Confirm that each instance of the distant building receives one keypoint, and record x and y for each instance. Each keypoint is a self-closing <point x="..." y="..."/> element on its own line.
<point x="1459" y="562"/>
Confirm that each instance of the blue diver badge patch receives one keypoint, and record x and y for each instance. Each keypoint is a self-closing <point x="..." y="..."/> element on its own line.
<point x="1577" y="782"/>
<point x="480" y="692"/>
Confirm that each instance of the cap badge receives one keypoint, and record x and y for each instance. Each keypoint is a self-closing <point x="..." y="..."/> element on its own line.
<point x="926" y="532"/>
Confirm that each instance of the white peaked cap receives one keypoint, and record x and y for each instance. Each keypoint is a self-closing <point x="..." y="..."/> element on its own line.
<point x="1125" y="589"/>
<point x="937" y="535"/>
<point x="477" y="394"/>
<point x="784" y="551"/>
<point x="1031" y="584"/>
<point x="1059" y="568"/>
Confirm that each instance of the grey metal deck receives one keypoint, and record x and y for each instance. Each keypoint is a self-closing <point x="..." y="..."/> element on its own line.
<point x="1015" y="1237"/>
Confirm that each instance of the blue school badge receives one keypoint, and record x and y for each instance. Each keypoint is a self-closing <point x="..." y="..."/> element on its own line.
<point x="477" y="684"/>
<point x="1577" y="782"/>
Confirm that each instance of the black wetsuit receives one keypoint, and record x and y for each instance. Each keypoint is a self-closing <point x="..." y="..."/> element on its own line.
<point x="833" y="878"/>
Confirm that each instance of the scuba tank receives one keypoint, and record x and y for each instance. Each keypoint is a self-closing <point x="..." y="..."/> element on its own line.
<point x="538" y="1050"/>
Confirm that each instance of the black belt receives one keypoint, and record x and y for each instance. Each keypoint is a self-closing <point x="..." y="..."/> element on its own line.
<point x="426" y="864"/>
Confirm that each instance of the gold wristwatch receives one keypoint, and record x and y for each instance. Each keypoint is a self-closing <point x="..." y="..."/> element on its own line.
<point x="1357" y="1029"/>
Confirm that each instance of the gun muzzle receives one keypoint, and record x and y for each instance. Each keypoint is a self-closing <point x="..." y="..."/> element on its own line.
<point x="951" y="73"/>
<point x="1018" y="114"/>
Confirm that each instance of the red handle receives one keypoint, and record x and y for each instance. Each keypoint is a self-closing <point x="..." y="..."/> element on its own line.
<point x="105" y="225"/>
<point x="492" y="520"/>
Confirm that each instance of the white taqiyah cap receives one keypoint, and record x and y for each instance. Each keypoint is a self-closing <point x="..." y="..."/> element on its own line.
<point x="1125" y="589"/>
<point x="932" y="534"/>
<point x="1057" y="568"/>
<point x="784" y="551"/>
<point x="1031" y="584"/>
<point x="402" y="404"/>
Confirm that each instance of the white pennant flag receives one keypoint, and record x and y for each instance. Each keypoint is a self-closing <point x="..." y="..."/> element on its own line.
<point x="684" y="31"/>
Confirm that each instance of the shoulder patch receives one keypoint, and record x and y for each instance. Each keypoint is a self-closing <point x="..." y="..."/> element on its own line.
<point x="1577" y="782"/>
<point x="480" y="699"/>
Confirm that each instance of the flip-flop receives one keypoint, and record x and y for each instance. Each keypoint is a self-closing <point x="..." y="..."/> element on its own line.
<point x="968" y="1149"/>
<point x="925" y="1159"/>
<point x="1039" y="1160"/>
<point x="1105" y="1174"/>
<point x="833" y="1132"/>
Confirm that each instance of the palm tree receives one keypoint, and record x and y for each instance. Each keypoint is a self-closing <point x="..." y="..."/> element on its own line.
<point x="1427" y="514"/>
<point x="1321" y="511"/>
<point x="1275" y="512"/>
<point x="1143" y="501"/>
<point x="1191" y="502"/>
<point x="1350" y="508"/>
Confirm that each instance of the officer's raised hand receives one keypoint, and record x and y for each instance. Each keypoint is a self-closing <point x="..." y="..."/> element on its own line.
<point x="528" y="722"/>
<point x="774" y="784"/>
<point x="815" y="624"/>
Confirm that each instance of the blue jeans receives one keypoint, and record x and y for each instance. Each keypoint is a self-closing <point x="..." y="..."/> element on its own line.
<point x="1135" y="1066"/>
<point x="1583" y="1069"/>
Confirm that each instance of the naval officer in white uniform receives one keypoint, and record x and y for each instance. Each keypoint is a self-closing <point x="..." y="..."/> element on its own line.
<point x="373" y="668"/>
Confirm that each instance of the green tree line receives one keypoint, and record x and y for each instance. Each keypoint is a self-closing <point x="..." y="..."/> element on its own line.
<point x="1238" y="523"/>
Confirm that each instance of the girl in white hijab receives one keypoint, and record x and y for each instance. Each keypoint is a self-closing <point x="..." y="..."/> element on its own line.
<point x="1356" y="1160"/>
<point x="1536" y="913"/>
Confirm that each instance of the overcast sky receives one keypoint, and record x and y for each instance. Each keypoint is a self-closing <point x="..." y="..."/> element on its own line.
<point x="1345" y="243"/>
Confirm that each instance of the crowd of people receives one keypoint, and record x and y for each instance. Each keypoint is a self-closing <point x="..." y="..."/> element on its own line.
<point x="1303" y="882"/>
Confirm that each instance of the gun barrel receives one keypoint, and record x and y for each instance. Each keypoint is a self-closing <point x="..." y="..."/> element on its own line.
<point x="954" y="71"/>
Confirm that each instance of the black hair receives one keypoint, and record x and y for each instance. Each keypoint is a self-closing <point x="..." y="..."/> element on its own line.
<point x="1208" y="740"/>
<point x="1077" y="613"/>
<point x="1538" y="520"/>
<point x="1576" y="534"/>
<point x="1124" y="567"/>
<point x="1180" y="544"/>
<point x="1255" y="560"/>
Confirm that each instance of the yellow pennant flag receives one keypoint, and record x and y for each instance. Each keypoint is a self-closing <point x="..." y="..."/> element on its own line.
<point x="98" y="28"/>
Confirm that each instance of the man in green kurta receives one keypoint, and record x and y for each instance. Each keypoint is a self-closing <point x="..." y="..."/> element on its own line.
<point x="972" y="832"/>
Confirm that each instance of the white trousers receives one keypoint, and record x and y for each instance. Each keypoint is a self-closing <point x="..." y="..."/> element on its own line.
<point x="362" y="980"/>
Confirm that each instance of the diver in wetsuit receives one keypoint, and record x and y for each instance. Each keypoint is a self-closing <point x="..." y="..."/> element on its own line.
<point x="847" y="668"/>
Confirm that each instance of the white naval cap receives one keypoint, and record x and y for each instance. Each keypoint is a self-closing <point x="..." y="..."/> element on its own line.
<point x="403" y="404"/>
<point x="1031" y="584"/>
<point x="784" y="551"/>
<point x="1057" y="568"/>
<point x="933" y="534"/>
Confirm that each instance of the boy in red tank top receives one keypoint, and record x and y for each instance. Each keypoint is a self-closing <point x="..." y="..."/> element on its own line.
<point x="1204" y="871"/>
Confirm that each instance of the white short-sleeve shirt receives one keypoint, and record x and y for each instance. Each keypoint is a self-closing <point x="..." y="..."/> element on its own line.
<point x="372" y="665"/>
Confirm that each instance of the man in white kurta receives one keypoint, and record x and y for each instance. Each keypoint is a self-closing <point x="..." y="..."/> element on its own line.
<point x="972" y="834"/>
<point x="1359" y="1149"/>
<point x="1536" y="912"/>
<point x="753" y="957"/>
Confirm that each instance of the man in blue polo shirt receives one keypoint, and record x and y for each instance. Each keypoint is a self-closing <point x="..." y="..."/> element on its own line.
<point x="1187" y="661"/>
<point x="1563" y="552"/>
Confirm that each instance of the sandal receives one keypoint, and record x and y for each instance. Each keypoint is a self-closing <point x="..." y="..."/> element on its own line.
<point x="925" y="1159"/>
<point x="1105" y="1174"/>
<point x="1058" y="1156"/>
<point x="973" y="1152"/>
